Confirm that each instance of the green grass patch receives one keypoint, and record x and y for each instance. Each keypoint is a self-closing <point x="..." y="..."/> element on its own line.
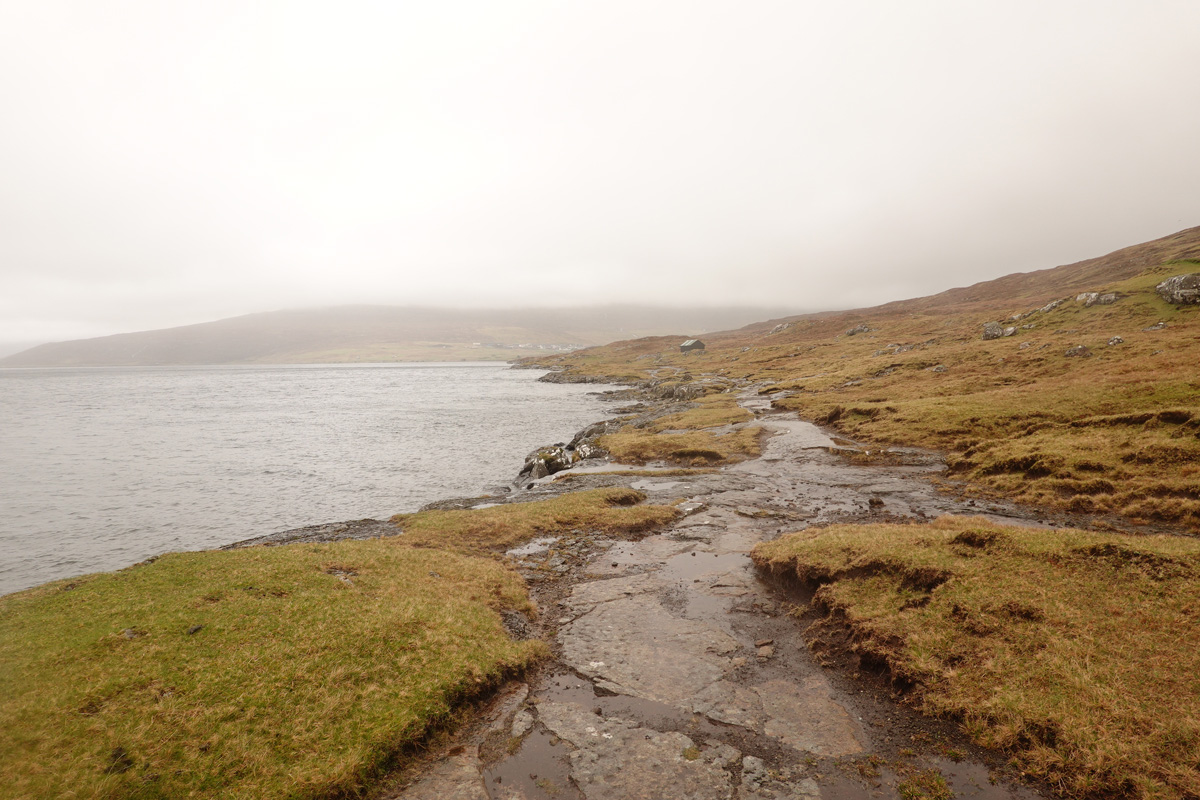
<point x="1073" y="650"/>
<point x="297" y="671"/>
<point x="615" y="511"/>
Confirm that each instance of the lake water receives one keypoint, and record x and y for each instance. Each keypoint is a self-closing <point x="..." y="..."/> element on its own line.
<point x="101" y="468"/>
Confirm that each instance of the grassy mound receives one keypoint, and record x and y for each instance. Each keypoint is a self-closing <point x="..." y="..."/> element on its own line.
<point x="610" y="511"/>
<point x="690" y="438"/>
<point x="296" y="671"/>
<point x="1074" y="650"/>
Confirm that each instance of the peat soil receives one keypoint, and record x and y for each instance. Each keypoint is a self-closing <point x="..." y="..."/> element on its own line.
<point x="677" y="672"/>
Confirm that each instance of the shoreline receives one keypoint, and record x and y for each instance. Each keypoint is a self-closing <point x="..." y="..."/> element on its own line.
<point x="348" y="446"/>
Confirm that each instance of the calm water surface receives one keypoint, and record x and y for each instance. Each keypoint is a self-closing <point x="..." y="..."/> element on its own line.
<point x="100" y="468"/>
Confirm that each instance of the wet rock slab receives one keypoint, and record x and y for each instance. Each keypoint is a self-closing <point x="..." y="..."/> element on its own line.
<point x="617" y="759"/>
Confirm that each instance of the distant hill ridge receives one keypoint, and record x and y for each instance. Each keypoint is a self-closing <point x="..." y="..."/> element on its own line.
<point x="382" y="333"/>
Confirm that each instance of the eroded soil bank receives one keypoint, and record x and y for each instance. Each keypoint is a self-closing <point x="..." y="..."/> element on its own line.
<point x="678" y="673"/>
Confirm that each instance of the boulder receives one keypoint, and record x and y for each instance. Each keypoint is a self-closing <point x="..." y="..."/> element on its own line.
<point x="1009" y="331"/>
<point x="548" y="460"/>
<point x="1090" y="299"/>
<point x="1181" y="290"/>
<point x="1115" y="340"/>
<point x="992" y="330"/>
<point x="589" y="449"/>
<point x="857" y="329"/>
<point x="1079" y="351"/>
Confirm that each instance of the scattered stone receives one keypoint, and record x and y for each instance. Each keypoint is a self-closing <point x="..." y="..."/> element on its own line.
<point x="521" y="724"/>
<point x="516" y="625"/>
<point x="1115" y="340"/>
<point x="1009" y="331"/>
<point x="764" y="642"/>
<point x="1024" y="345"/>
<point x="1051" y="306"/>
<point x="766" y="651"/>
<point x="1158" y="326"/>
<point x="1181" y="290"/>
<point x="938" y="368"/>
<point x="132" y="633"/>
<point x="192" y="631"/>
<point x="1079" y="351"/>
<point x="992" y="330"/>
<point x="780" y="328"/>
<point x="857" y="329"/>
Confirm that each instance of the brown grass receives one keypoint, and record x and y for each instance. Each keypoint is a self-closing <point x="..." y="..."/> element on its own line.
<point x="1070" y="649"/>
<point x="695" y="448"/>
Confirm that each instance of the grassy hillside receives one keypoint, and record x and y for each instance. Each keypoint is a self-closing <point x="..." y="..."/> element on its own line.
<point x="380" y="334"/>
<point x="1092" y="409"/>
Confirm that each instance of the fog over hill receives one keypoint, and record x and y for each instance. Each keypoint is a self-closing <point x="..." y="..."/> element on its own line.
<point x="384" y="333"/>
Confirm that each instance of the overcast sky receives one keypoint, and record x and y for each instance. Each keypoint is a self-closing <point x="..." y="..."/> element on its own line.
<point x="165" y="163"/>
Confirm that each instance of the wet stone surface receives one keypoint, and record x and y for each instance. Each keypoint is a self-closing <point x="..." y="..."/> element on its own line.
<point x="678" y="673"/>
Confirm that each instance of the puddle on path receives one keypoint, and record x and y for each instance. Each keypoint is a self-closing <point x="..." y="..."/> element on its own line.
<point x="538" y="770"/>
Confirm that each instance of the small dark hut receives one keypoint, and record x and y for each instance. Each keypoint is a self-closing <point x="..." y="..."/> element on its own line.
<point x="690" y="345"/>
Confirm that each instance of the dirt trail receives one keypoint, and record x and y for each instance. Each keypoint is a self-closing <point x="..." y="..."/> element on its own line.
<point x="678" y="673"/>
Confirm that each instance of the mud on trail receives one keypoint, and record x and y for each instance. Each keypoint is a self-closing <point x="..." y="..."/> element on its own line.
<point x="678" y="673"/>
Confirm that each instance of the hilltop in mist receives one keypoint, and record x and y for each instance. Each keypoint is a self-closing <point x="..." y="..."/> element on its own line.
<point x="383" y="333"/>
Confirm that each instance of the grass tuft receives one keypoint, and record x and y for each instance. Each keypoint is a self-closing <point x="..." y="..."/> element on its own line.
<point x="613" y="511"/>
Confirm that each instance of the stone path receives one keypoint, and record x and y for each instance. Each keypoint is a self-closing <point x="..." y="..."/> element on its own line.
<point x="679" y="676"/>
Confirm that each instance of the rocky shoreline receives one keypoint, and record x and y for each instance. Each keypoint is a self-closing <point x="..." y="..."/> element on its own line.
<point x="674" y="664"/>
<point x="645" y="400"/>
